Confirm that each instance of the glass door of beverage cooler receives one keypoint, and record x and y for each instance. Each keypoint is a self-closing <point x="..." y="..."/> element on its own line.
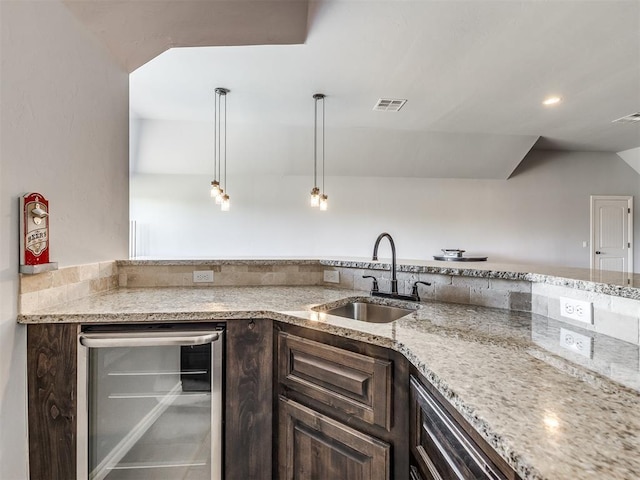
<point x="150" y="402"/>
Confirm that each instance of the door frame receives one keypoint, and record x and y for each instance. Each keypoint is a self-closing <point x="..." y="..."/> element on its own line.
<point x="592" y="255"/>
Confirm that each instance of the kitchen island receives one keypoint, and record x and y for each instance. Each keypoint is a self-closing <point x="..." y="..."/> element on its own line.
<point x="547" y="417"/>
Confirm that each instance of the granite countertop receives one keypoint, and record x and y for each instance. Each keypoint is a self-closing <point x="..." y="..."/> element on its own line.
<point x="548" y="417"/>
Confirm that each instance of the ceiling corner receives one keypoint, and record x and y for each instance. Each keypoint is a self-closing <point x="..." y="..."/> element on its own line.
<point x="632" y="157"/>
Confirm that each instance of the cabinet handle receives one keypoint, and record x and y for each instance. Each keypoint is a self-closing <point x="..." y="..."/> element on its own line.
<point x="598" y="252"/>
<point x="145" y="339"/>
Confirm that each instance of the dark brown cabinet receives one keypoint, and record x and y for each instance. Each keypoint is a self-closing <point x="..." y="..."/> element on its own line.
<point x="314" y="446"/>
<point x="442" y="449"/>
<point x="51" y="373"/>
<point x="248" y="423"/>
<point x="353" y="383"/>
<point x="341" y="408"/>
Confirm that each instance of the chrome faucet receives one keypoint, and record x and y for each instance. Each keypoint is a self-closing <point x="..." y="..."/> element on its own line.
<point x="394" y="280"/>
<point x="414" y="297"/>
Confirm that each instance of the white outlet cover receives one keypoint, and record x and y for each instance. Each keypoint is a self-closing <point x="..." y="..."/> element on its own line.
<point x="576" y="342"/>
<point x="203" y="276"/>
<point x="576" y="310"/>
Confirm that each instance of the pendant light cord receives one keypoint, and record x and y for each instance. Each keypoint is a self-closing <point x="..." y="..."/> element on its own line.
<point x="225" y="144"/>
<point x="315" y="144"/>
<point x="323" y="145"/>
<point x="219" y="141"/>
<point x="215" y="131"/>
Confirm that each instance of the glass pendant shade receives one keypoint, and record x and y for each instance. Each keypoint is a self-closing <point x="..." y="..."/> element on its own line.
<point x="215" y="189"/>
<point x="315" y="197"/>
<point x="324" y="202"/>
<point x="219" y="196"/>
<point x="225" y="203"/>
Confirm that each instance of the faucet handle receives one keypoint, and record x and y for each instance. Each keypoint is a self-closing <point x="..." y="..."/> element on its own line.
<point x="375" y="282"/>
<point x="414" y="291"/>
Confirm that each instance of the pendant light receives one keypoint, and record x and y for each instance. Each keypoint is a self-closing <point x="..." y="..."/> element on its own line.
<point x="219" y="183"/>
<point x="318" y="197"/>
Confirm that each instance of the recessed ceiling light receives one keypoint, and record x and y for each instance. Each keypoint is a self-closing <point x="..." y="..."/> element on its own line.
<point x="551" y="101"/>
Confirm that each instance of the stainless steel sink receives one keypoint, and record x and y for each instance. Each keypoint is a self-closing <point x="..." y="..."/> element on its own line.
<point x="369" y="312"/>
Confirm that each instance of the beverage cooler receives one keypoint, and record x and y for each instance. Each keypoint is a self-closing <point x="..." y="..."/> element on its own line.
<point x="150" y="402"/>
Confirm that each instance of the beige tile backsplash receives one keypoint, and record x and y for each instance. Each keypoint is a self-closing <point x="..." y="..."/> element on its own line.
<point x="224" y="275"/>
<point x="48" y="289"/>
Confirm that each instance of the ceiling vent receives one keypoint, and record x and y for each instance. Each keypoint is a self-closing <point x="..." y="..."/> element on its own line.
<point x="389" y="104"/>
<point x="633" y="118"/>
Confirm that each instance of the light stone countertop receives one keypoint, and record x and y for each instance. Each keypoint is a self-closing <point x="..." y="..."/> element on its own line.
<point x="548" y="417"/>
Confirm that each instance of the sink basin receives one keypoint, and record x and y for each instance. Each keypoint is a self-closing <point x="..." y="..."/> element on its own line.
<point x="369" y="312"/>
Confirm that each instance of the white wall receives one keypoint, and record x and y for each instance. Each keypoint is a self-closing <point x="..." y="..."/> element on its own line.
<point x="539" y="216"/>
<point x="64" y="133"/>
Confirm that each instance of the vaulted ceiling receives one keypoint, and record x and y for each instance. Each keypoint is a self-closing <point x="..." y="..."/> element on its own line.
<point x="474" y="74"/>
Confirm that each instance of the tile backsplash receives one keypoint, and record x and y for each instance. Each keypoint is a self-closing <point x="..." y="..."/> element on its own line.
<point x="486" y="292"/>
<point x="224" y="274"/>
<point x="47" y="289"/>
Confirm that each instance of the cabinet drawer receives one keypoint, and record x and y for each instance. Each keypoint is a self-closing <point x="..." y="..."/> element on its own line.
<point x="353" y="383"/>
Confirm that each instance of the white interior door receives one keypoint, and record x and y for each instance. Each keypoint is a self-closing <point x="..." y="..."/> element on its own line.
<point x="611" y="237"/>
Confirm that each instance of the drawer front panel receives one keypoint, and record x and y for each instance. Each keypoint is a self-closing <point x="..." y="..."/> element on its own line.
<point x="356" y="384"/>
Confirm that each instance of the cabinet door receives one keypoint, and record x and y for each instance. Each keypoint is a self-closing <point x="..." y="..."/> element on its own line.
<point x="313" y="446"/>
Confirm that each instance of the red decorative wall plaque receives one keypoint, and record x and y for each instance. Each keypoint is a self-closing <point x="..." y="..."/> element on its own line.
<point x="34" y="230"/>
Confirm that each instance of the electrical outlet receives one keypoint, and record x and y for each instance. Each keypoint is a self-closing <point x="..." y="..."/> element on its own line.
<point x="576" y="310"/>
<point x="203" y="276"/>
<point x="332" y="276"/>
<point x="575" y="342"/>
